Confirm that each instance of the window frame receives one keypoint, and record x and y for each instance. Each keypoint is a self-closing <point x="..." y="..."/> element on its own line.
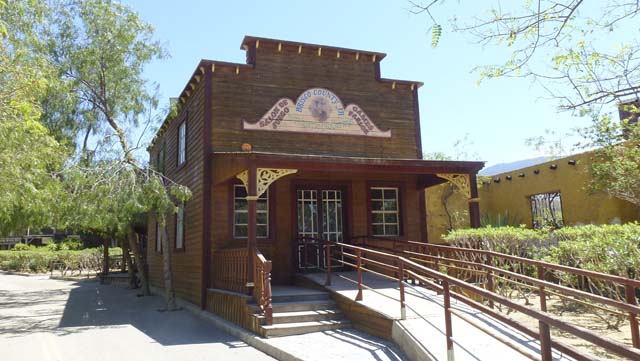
<point x="533" y="215"/>
<point x="158" y="242"/>
<point x="182" y="150"/>
<point x="161" y="159"/>
<point x="180" y="231"/>
<point x="401" y="211"/>
<point x="271" y="230"/>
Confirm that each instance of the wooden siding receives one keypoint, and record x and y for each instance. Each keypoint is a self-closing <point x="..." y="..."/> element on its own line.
<point x="187" y="263"/>
<point x="280" y="246"/>
<point x="252" y="92"/>
<point x="233" y="307"/>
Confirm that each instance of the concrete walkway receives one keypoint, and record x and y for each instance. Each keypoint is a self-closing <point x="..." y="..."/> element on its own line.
<point x="43" y="319"/>
<point x="425" y="320"/>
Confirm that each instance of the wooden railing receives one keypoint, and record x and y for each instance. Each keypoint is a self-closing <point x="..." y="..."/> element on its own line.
<point x="411" y="265"/>
<point x="262" y="285"/>
<point x="230" y="269"/>
<point x="490" y="267"/>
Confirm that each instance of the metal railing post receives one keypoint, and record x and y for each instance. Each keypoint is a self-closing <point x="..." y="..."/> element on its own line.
<point x="630" y="296"/>
<point x="447" y="320"/>
<point x="403" y="310"/>
<point x="359" y="270"/>
<point x="542" y="293"/>
<point x="545" y="341"/>
<point x="327" y="261"/>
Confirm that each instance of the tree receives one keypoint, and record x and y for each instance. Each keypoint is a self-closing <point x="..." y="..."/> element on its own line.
<point x="98" y="50"/>
<point x="565" y="45"/>
<point x="586" y="55"/>
<point x="29" y="155"/>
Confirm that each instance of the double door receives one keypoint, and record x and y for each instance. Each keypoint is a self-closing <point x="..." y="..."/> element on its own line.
<point x="320" y="217"/>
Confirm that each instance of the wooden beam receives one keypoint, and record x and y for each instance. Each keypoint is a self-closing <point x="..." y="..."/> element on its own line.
<point x="319" y="51"/>
<point x="393" y="85"/>
<point x="357" y="55"/>
<point x="373" y="60"/>
<point x="237" y="70"/>
<point x="213" y="68"/>
<point x="338" y="54"/>
<point x="299" y="49"/>
<point x="257" y="44"/>
<point x="279" y="47"/>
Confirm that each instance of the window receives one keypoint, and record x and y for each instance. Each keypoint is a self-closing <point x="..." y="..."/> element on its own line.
<point x="385" y="211"/>
<point x="241" y="213"/>
<point x="180" y="227"/>
<point x="182" y="143"/>
<point x="158" y="243"/>
<point x="546" y="209"/>
<point x="160" y="160"/>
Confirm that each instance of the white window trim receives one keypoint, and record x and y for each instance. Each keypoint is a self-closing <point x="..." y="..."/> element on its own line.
<point x="180" y="227"/>
<point x="266" y="194"/>
<point x="182" y="143"/>
<point x="384" y="212"/>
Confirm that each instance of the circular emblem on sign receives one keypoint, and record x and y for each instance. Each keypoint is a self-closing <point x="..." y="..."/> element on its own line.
<point x="320" y="108"/>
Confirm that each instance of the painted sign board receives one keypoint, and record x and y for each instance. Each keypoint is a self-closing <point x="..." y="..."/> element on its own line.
<point x="319" y="111"/>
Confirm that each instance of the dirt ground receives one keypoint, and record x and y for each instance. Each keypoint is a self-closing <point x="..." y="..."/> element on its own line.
<point x="593" y="319"/>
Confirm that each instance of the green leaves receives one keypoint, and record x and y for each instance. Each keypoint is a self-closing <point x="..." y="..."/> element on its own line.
<point x="436" y="33"/>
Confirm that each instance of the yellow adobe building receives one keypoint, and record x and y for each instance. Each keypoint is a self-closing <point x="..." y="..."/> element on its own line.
<point x="552" y="192"/>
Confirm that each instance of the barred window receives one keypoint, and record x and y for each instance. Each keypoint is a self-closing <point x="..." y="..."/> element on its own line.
<point x="546" y="210"/>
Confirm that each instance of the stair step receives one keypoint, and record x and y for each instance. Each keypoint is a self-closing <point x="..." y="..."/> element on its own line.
<point x="317" y="296"/>
<point x="302" y="306"/>
<point x="305" y="316"/>
<point x="298" y="328"/>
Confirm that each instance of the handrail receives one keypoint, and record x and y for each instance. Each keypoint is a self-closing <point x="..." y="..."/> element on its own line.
<point x="408" y="267"/>
<point x="230" y="269"/>
<point x="262" y="285"/>
<point x="532" y="262"/>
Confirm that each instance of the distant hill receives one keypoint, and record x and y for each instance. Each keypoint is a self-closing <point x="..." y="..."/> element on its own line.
<point x="508" y="167"/>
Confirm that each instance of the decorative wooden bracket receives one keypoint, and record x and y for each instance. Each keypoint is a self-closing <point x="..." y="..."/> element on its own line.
<point x="461" y="181"/>
<point x="265" y="176"/>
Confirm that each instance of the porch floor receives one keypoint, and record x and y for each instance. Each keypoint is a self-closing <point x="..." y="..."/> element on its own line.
<point x="425" y="319"/>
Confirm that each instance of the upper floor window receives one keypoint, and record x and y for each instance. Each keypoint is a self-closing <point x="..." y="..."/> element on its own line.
<point x="160" y="160"/>
<point x="385" y="211"/>
<point x="182" y="143"/>
<point x="241" y="213"/>
<point x="180" y="227"/>
<point x="546" y="210"/>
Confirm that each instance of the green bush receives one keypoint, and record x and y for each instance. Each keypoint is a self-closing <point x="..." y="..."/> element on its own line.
<point x="40" y="259"/>
<point x="22" y="247"/>
<point x="613" y="249"/>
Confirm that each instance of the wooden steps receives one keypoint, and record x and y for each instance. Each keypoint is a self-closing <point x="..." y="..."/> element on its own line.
<point x="298" y="311"/>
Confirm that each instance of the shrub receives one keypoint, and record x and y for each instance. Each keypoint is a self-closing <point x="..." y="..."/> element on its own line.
<point x="40" y="259"/>
<point x="512" y="240"/>
<point x="70" y="244"/>
<point x="21" y="247"/>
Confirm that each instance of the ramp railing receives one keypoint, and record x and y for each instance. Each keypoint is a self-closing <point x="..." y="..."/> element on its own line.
<point x="439" y="273"/>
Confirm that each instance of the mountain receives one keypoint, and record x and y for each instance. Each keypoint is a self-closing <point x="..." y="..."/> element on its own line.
<point x="508" y="167"/>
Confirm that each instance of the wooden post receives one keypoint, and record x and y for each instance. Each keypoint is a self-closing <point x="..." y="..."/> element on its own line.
<point x="327" y="261"/>
<point x="252" y="197"/>
<point x="403" y="310"/>
<point x="359" y="270"/>
<point x="630" y="295"/>
<point x="541" y="293"/>
<point x="474" y="205"/>
<point x="545" y="341"/>
<point x="490" y="286"/>
<point x="447" y="320"/>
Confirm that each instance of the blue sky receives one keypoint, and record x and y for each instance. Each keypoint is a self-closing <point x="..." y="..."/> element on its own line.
<point x="497" y="115"/>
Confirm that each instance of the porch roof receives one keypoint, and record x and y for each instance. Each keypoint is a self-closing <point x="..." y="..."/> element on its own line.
<point x="426" y="169"/>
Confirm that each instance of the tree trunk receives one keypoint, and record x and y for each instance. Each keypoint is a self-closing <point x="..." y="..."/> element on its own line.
<point x="170" y="294"/>
<point x="126" y="258"/>
<point x="134" y="245"/>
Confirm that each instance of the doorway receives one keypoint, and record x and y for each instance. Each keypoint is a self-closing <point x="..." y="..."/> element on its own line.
<point x="320" y="216"/>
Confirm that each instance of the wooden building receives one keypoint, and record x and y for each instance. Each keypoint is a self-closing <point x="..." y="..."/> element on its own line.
<point x="302" y="143"/>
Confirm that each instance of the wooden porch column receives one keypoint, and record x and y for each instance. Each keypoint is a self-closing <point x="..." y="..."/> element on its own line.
<point x="474" y="203"/>
<point x="252" y="197"/>
<point x="105" y="256"/>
